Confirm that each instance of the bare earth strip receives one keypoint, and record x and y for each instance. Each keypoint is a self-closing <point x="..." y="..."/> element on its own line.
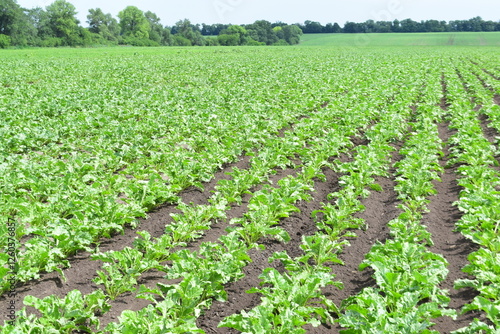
<point x="83" y="269"/>
<point x="491" y="74"/>
<point x="297" y="225"/>
<point x="452" y="245"/>
<point x="380" y="208"/>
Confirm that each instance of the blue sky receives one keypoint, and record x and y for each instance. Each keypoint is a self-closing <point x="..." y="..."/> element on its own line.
<point x="291" y="11"/>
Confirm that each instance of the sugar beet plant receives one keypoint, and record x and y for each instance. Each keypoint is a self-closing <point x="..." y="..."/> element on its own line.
<point x="407" y="274"/>
<point x="293" y="299"/>
<point x="479" y="201"/>
<point x="81" y="162"/>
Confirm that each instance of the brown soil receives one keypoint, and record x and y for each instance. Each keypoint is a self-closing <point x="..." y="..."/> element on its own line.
<point x="380" y="209"/>
<point x="452" y="245"/>
<point x="490" y="133"/>
<point x="297" y="225"/>
<point x="491" y="74"/>
<point x="497" y="99"/>
<point x="83" y="269"/>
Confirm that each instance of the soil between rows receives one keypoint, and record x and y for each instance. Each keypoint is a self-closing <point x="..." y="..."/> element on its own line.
<point x="454" y="247"/>
<point x="380" y="209"/>
<point x="79" y="276"/>
<point x="297" y="225"/>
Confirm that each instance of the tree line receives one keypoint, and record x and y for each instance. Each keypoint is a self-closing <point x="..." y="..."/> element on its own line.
<point x="57" y="25"/>
<point x="406" y="26"/>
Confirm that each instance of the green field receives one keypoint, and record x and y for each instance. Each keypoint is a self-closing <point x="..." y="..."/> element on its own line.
<point x="419" y="39"/>
<point x="279" y="190"/>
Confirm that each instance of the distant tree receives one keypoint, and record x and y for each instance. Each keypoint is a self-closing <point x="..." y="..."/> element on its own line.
<point x="15" y="23"/>
<point x="434" y="26"/>
<point x="409" y="25"/>
<point x="352" y="28"/>
<point x="476" y="23"/>
<point x="278" y="24"/>
<point x="185" y="29"/>
<point x="233" y="35"/>
<point x="291" y="34"/>
<point x="383" y="26"/>
<point x="369" y="26"/>
<point x="311" y="27"/>
<point x="212" y="41"/>
<point x="181" y="41"/>
<point x="62" y="21"/>
<point x="217" y="28"/>
<point x="95" y="18"/>
<point x="102" y="24"/>
<point x="155" y="28"/>
<point x="328" y="29"/>
<point x="336" y="28"/>
<point x="4" y="41"/>
<point x="228" y="40"/>
<point x="166" y="37"/>
<point x="396" y="26"/>
<point x="262" y="31"/>
<point x="278" y="30"/>
<point x="133" y="23"/>
<point x="9" y="13"/>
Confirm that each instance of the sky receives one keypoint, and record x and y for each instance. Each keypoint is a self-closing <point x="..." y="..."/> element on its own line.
<point x="290" y="11"/>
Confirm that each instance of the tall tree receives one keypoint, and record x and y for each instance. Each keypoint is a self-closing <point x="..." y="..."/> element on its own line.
<point x="10" y="12"/>
<point x="292" y="34"/>
<point x="103" y="24"/>
<point x="16" y="24"/>
<point x="157" y="32"/>
<point x="311" y="27"/>
<point x="186" y="30"/>
<point x="95" y="19"/>
<point x="133" y="23"/>
<point x="262" y="31"/>
<point x="233" y="35"/>
<point x="409" y="25"/>
<point x="62" y="21"/>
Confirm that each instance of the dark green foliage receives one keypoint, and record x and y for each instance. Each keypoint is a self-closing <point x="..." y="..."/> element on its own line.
<point x="228" y="40"/>
<point x="211" y="41"/>
<point x="185" y="29"/>
<point x="62" y="21"/>
<point x="181" y="41"/>
<point x="4" y="41"/>
<point x="56" y="25"/>
<point x="262" y="31"/>
<point x="14" y="22"/>
<point x="103" y="25"/>
<point x="134" y="23"/>
<point x="291" y="34"/>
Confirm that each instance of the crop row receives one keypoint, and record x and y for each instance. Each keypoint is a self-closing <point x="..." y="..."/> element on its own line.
<point x="479" y="202"/>
<point x="86" y="161"/>
<point x="291" y="300"/>
<point x="108" y="166"/>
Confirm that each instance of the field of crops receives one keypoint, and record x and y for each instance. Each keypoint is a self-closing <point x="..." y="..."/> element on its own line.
<point x="474" y="39"/>
<point x="255" y="190"/>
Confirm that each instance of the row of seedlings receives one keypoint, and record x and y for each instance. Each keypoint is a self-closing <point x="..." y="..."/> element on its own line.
<point x="294" y="298"/>
<point x="406" y="296"/>
<point x="479" y="201"/>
